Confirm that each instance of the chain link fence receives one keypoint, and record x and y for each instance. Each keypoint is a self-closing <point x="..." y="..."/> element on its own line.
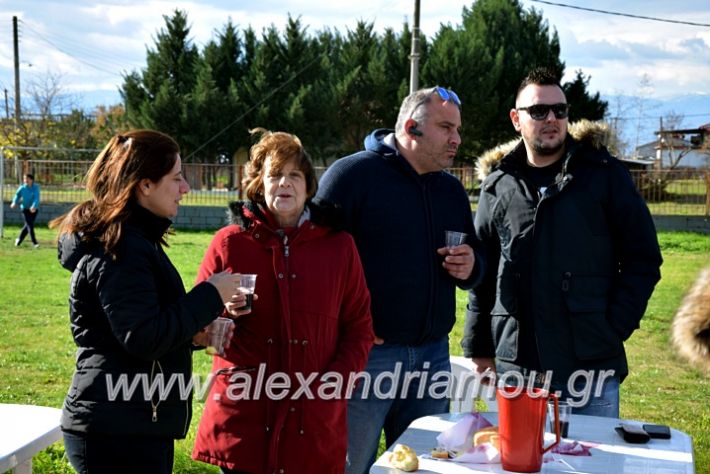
<point x="667" y="192"/>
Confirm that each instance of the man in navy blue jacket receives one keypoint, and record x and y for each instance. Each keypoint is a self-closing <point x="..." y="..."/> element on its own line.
<point x="397" y="202"/>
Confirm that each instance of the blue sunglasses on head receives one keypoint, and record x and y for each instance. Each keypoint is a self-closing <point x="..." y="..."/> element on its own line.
<point x="448" y="95"/>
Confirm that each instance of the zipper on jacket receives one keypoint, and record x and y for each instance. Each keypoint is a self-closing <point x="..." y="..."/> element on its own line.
<point x="429" y="323"/>
<point x="269" y="348"/>
<point x="154" y="405"/>
<point x="304" y="345"/>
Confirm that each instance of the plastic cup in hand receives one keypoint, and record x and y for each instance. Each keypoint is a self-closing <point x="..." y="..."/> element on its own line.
<point x="565" y="413"/>
<point x="454" y="238"/>
<point x="217" y="331"/>
<point x="247" y="282"/>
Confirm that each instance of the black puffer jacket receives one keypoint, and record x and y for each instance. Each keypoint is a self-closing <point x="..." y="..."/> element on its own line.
<point x="132" y="323"/>
<point x="570" y="271"/>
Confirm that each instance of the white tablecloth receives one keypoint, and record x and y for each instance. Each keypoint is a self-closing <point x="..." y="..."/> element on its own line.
<point x="612" y="455"/>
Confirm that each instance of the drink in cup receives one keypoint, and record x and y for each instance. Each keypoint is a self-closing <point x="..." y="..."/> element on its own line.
<point x="247" y="282"/>
<point x="565" y="412"/>
<point x="454" y="238"/>
<point x="217" y="331"/>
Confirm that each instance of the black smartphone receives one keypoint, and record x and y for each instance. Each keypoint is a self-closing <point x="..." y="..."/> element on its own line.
<point x="658" y="431"/>
<point x="632" y="433"/>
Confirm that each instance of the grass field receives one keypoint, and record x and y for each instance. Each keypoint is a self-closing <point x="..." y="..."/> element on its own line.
<point x="37" y="353"/>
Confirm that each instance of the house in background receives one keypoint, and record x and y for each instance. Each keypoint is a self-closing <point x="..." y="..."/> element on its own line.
<point x="686" y="148"/>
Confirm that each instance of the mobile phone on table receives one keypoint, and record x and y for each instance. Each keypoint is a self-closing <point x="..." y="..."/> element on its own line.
<point x="657" y="431"/>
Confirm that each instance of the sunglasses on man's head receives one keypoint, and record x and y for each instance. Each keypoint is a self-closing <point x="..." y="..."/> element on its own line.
<point x="448" y="95"/>
<point x="541" y="111"/>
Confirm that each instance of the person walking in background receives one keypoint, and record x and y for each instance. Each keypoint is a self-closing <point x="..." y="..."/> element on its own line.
<point x="397" y="202"/>
<point x="130" y="316"/>
<point x="27" y="196"/>
<point x="572" y="251"/>
<point x="311" y="323"/>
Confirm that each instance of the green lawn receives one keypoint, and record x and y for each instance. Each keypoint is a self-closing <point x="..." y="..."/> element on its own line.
<point x="37" y="353"/>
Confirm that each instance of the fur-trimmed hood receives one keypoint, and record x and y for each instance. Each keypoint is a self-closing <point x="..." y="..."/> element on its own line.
<point x="691" y="325"/>
<point x="594" y="133"/>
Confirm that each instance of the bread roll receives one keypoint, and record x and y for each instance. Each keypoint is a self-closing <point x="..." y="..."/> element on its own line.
<point x="439" y="453"/>
<point x="487" y="435"/>
<point x="404" y="458"/>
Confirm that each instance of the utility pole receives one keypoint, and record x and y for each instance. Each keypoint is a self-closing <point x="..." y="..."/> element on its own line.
<point x="7" y="107"/>
<point x="414" y="56"/>
<point x="17" y="72"/>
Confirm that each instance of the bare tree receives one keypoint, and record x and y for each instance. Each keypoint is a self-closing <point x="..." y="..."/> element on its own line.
<point x="640" y="102"/>
<point x="617" y="116"/>
<point x="675" y="144"/>
<point x="48" y="95"/>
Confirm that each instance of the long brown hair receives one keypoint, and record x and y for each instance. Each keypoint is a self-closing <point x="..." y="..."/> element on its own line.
<point x="282" y="147"/>
<point x="112" y="179"/>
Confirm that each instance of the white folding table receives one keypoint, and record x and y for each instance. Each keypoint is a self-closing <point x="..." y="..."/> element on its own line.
<point x="26" y="430"/>
<point x="610" y="454"/>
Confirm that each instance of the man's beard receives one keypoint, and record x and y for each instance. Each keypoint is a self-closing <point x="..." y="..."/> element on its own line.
<point x="547" y="150"/>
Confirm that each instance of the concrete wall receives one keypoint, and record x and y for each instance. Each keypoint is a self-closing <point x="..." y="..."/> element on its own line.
<point x="214" y="217"/>
<point x="189" y="217"/>
<point x="698" y="224"/>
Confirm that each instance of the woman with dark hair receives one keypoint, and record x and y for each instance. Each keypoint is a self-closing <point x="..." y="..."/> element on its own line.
<point x="279" y="399"/>
<point x="131" y="319"/>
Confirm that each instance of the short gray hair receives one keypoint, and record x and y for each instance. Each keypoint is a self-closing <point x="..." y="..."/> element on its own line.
<point x="412" y="108"/>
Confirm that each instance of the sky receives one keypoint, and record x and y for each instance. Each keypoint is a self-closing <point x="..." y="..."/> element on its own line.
<point x="89" y="44"/>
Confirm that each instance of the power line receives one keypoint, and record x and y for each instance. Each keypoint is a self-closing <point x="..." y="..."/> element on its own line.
<point x="68" y="43"/>
<point x="607" y="12"/>
<point x="93" y="66"/>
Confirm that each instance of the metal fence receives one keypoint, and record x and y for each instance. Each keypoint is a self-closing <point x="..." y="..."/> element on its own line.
<point x="667" y="192"/>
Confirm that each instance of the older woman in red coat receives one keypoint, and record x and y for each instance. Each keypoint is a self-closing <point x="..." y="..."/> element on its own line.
<point x="279" y="397"/>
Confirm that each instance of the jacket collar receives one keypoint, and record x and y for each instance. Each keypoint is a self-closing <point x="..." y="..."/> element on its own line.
<point x="583" y="133"/>
<point x="154" y="227"/>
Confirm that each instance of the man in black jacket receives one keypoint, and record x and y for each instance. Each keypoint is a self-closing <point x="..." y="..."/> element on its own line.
<point x="572" y="251"/>
<point x="397" y="203"/>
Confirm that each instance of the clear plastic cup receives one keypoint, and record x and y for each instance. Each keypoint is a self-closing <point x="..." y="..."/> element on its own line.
<point x="247" y="283"/>
<point x="565" y="413"/>
<point x="217" y="331"/>
<point x="454" y="238"/>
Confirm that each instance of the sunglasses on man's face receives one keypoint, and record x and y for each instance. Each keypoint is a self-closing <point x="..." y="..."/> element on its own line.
<point x="541" y="111"/>
<point x="448" y="95"/>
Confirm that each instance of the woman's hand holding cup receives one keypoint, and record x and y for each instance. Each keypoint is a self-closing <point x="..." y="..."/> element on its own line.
<point x="236" y="291"/>
<point x="225" y="282"/>
<point x="237" y="306"/>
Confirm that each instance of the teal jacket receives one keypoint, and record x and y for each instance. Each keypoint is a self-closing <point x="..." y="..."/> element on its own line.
<point x="27" y="196"/>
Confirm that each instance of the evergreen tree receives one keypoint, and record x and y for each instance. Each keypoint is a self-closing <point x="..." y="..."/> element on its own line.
<point x="485" y="59"/>
<point x="324" y="141"/>
<point x="332" y="90"/>
<point x="354" y="87"/>
<point x="583" y="105"/>
<point x="389" y="72"/>
<point x="156" y="98"/>
<point x="261" y="88"/>
<point x="216" y="98"/>
<point x="301" y="61"/>
<point x="225" y="57"/>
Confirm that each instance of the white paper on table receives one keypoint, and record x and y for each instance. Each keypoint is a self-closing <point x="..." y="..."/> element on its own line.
<point x="459" y="439"/>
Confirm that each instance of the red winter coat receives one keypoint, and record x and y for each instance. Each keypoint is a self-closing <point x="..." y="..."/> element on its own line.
<point x="312" y="316"/>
